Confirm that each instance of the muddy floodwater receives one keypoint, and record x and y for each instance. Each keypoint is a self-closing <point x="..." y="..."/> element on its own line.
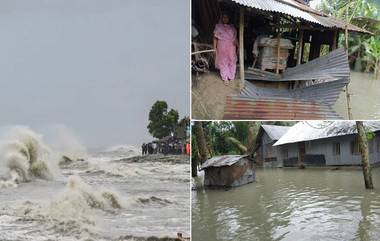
<point x="290" y="204"/>
<point x="365" y="97"/>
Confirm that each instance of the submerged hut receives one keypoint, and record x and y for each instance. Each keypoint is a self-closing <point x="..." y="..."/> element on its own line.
<point x="228" y="171"/>
<point x="266" y="154"/>
<point x="321" y="143"/>
<point x="296" y="42"/>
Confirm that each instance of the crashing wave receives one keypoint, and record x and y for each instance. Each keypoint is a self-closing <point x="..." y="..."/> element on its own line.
<point x="102" y="199"/>
<point x="23" y="157"/>
<point x="72" y="213"/>
<point x="154" y="200"/>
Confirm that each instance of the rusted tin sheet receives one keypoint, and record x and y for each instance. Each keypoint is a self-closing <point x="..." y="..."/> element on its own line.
<point x="313" y="130"/>
<point x="309" y="102"/>
<point x="219" y="161"/>
<point x="297" y="10"/>
<point x="286" y="109"/>
<point x="329" y="67"/>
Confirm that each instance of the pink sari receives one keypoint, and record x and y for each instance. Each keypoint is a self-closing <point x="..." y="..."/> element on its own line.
<point x="226" y="57"/>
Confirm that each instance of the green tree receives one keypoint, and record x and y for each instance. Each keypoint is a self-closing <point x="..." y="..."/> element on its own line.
<point x="161" y="121"/>
<point x="373" y="49"/>
<point x="362" y="13"/>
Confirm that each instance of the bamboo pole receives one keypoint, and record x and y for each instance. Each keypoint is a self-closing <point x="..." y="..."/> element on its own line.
<point x="241" y="47"/>
<point x="300" y="45"/>
<point x="347" y="94"/>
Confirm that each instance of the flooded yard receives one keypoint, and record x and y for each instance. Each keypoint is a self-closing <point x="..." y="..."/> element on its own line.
<point x="291" y="204"/>
<point x="365" y="97"/>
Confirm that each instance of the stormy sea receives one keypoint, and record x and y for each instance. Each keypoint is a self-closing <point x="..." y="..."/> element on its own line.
<point x="103" y="194"/>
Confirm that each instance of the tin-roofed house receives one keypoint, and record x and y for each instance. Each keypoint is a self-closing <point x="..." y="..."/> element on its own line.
<point x="268" y="155"/>
<point x="228" y="171"/>
<point x="327" y="143"/>
<point x="290" y="66"/>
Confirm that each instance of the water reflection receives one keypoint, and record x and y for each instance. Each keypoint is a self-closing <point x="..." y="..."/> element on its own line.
<point x="290" y="205"/>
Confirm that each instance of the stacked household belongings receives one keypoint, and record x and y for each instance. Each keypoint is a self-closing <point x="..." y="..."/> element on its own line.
<point x="269" y="56"/>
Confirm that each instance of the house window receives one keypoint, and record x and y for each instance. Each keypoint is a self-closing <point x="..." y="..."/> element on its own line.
<point x="336" y="149"/>
<point x="285" y="154"/>
<point x="355" y="147"/>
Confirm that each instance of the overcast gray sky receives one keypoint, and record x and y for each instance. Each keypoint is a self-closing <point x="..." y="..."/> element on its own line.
<point x="94" y="66"/>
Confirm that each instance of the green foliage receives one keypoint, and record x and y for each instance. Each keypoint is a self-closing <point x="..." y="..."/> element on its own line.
<point x="372" y="47"/>
<point x="369" y="134"/>
<point x="365" y="14"/>
<point x="161" y="121"/>
<point x="217" y="135"/>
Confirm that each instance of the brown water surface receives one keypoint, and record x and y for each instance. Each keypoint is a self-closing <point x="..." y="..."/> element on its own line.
<point x="365" y="97"/>
<point x="290" y="204"/>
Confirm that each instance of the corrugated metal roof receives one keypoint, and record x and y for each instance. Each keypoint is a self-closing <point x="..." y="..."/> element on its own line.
<point x="331" y="66"/>
<point x="278" y="7"/>
<point x="326" y="93"/>
<point x="312" y="130"/>
<point x="266" y="109"/>
<point x="219" y="161"/>
<point x="275" y="132"/>
<point x="310" y="102"/>
<point x="298" y="10"/>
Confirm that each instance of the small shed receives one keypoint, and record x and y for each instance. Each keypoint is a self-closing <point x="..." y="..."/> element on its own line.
<point x="268" y="155"/>
<point x="228" y="171"/>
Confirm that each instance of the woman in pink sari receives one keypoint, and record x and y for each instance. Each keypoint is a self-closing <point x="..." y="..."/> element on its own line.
<point x="225" y="43"/>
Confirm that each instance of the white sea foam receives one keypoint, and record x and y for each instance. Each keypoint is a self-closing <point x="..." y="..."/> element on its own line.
<point x="72" y="212"/>
<point x="120" y="151"/>
<point x="24" y="156"/>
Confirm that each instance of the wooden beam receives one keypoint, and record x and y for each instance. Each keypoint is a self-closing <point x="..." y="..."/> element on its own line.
<point x="241" y="47"/>
<point x="278" y="52"/>
<point x="300" y="46"/>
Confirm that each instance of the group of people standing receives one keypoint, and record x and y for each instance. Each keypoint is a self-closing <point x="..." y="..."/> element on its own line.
<point x="173" y="148"/>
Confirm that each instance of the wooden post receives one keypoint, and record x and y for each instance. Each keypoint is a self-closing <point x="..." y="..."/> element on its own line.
<point x="363" y="147"/>
<point x="278" y="52"/>
<point x="241" y="47"/>
<point x="334" y="44"/>
<point x="300" y="45"/>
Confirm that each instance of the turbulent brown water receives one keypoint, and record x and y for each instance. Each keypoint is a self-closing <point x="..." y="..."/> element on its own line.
<point x="113" y="194"/>
<point x="290" y="204"/>
<point x="365" y="97"/>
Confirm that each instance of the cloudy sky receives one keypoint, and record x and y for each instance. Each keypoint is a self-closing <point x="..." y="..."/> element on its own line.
<point x="93" y="66"/>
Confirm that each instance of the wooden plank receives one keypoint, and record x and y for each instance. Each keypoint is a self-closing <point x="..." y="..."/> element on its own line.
<point x="241" y="47"/>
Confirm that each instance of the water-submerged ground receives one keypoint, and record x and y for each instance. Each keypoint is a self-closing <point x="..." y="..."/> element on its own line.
<point x="153" y="192"/>
<point x="291" y="204"/>
<point x="365" y="97"/>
